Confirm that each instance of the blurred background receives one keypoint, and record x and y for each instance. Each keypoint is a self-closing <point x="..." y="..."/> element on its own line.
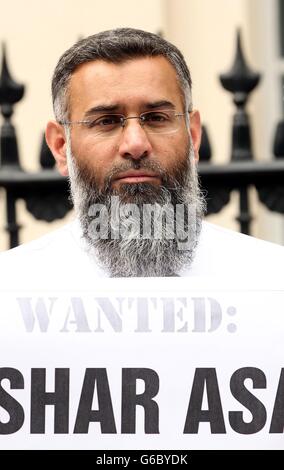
<point x="36" y="33"/>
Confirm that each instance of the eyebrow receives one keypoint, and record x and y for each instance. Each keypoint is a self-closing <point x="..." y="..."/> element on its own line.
<point x="105" y="108"/>
<point x="160" y="104"/>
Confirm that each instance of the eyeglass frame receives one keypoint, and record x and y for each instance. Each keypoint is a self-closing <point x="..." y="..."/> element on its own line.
<point x="123" y="119"/>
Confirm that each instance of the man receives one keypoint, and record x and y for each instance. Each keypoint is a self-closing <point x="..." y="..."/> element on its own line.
<point x="127" y="137"/>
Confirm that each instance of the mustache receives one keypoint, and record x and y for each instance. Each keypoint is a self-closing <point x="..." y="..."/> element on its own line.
<point x="173" y="178"/>
<point x="134" y="165"/>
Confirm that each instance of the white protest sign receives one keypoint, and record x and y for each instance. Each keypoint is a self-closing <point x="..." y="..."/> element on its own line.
<point x="143" y="364"/>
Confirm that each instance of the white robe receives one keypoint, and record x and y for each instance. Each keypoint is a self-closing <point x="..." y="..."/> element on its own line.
<point x="61" y="258"/>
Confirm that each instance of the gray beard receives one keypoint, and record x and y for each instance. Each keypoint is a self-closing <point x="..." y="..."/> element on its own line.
<point x="122" y="249"/>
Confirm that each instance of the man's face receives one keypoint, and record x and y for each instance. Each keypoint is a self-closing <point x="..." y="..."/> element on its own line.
<point x="132" y="166"/>
<point x="129" y="88"/>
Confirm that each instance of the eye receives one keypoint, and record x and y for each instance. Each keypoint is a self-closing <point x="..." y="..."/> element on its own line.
<point x="156" y="117"/>
<point x="107" y="121"/>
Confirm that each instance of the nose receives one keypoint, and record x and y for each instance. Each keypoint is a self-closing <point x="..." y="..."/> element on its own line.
<point x="134" y="142"/>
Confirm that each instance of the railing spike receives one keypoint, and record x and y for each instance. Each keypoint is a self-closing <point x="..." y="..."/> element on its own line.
<point x="240" y="80"/>
<point x="205" y="147"/>
<point x="10" y="93"/>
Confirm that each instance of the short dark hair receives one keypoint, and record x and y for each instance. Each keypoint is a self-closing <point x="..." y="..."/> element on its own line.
<point x="116" y="45"/>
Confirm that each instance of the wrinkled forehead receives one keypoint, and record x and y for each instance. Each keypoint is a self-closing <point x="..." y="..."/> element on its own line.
<point x="131" y="83"/>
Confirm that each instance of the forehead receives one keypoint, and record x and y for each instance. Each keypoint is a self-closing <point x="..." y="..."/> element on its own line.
<point x="129" y="85"/>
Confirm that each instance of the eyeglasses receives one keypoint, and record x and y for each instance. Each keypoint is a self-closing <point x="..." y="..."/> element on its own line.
<point x="165" y="121"/>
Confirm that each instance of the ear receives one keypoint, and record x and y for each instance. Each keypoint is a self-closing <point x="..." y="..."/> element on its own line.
<point x="56" y="140"/>
<point x="195" y="132"/>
